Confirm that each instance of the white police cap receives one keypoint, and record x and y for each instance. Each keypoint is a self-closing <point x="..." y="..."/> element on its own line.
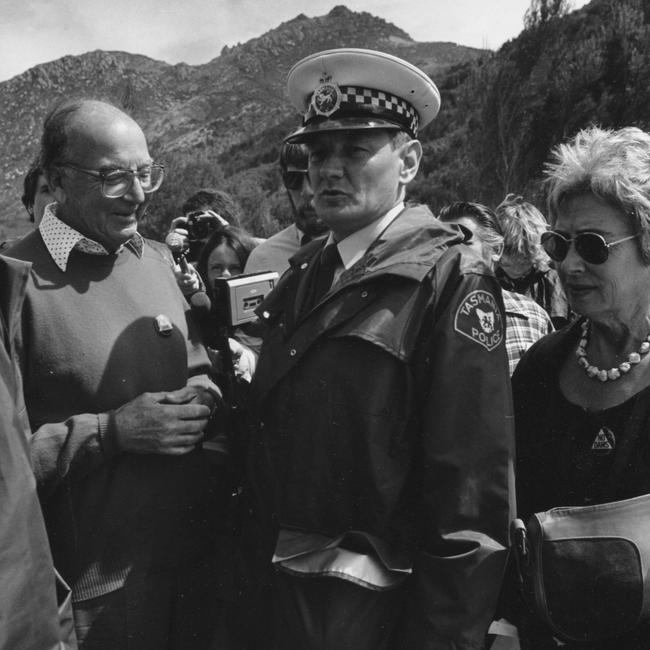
<point x="351" y="88"/>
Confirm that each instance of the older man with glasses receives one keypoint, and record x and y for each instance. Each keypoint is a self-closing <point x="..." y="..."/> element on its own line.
<point x="117" y="393"/>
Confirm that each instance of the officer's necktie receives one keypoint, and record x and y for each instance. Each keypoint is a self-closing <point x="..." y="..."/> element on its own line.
<point x="324" y="275"/>
<point x="305" y="239"/>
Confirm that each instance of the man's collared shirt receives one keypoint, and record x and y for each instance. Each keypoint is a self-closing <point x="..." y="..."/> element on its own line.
<point x="274" y="253"/>
<point x="354" y="246"/>
<point x="60" y="239"/>
<point x="526" y="322"/>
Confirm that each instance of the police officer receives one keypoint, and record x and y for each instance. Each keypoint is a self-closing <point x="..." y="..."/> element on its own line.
<point x="380" y="464"/>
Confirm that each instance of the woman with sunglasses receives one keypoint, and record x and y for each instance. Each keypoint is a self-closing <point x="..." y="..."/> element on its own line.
<point x="582" y="395"/>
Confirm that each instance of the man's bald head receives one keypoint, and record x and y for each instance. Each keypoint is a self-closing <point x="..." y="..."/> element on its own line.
<point x="74" y="120"/>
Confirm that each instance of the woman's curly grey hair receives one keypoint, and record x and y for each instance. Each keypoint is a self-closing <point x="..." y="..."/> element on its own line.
<point x="614" y="166"/>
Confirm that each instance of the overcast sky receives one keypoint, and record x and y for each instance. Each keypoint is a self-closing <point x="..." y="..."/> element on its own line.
<point x="194" y="31"/>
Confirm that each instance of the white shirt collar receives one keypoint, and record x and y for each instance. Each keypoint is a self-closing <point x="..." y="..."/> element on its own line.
<point x="60" y="239"/>
<point x="354" y="246"/>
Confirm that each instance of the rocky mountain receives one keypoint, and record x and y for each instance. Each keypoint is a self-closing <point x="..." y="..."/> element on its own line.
<point x="236" y="103"/>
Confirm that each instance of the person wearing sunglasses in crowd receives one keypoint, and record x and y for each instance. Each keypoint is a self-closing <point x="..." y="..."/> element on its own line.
<point x="582" y="394"/>
<point x="274" y="253"/>
<point x="117" y="393"/>
<point x="524" y="265"/>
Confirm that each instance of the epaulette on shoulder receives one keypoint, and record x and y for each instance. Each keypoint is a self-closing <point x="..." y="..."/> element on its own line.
<point x="469" y="261"/>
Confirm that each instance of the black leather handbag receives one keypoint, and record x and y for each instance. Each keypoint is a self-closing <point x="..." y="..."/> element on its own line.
<point x="585" y="571"/>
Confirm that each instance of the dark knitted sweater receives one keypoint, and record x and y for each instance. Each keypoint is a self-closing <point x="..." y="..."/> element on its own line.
<point x="89" y="345"/>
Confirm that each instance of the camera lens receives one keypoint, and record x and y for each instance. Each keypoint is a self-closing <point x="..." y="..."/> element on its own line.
<point x="200" y="229"/>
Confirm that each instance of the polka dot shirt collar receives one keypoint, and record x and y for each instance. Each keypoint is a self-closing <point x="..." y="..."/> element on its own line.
<point x="60" y="239"/>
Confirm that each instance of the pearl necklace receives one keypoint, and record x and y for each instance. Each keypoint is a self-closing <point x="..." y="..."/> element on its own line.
<point x="613" y="373"/>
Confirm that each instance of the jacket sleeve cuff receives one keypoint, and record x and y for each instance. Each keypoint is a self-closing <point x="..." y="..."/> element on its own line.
<point x="107" y="438"/>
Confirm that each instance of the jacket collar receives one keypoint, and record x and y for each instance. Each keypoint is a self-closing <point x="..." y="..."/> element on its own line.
<point x="409" y="248"/>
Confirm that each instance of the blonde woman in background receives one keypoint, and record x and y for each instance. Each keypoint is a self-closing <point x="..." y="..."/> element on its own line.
<point x="524" y="266"/>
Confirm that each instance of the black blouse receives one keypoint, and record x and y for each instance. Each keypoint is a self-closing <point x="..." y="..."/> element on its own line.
<point x="579" y="459"/>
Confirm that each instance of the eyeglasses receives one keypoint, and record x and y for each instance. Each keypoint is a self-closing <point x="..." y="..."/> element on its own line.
<point x="293" y="180"/>
<point x="592" y="247"/>
<point x="115" y="183"/>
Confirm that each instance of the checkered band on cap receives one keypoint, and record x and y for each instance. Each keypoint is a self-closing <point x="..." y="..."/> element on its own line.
<point x="377" y="102"/>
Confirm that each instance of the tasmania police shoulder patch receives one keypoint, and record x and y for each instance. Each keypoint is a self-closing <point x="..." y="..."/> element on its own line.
<point x="479" y="319"/>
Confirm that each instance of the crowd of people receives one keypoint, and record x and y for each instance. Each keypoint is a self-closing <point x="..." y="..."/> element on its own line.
<point x="340" y="468"/>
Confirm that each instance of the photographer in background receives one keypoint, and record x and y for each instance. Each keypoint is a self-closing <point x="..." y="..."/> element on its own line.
<point x="216" y="200"/>
<point x="203" y="212"/>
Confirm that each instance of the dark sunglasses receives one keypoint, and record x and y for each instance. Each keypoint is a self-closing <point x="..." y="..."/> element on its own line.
<point x="592" y="247"/>
<point x="293" y="180"/>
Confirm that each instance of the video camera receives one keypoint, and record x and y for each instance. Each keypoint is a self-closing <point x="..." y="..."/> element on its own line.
<point x="236" y="299"/>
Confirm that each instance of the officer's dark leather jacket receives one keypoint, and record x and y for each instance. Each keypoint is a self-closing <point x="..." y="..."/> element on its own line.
<point x="387" y="410"/>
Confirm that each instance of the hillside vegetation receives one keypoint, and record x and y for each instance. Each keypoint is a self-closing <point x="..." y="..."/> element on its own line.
<point x="220" y="124"/>
<point x="504" y="113"/>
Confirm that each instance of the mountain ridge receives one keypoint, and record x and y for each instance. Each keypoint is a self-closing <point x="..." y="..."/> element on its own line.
<point x="193" y="110"/>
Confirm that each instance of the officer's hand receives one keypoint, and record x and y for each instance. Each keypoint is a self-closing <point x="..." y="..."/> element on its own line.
<point x="162" y="423"/>
<point x="244" y="360"/>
